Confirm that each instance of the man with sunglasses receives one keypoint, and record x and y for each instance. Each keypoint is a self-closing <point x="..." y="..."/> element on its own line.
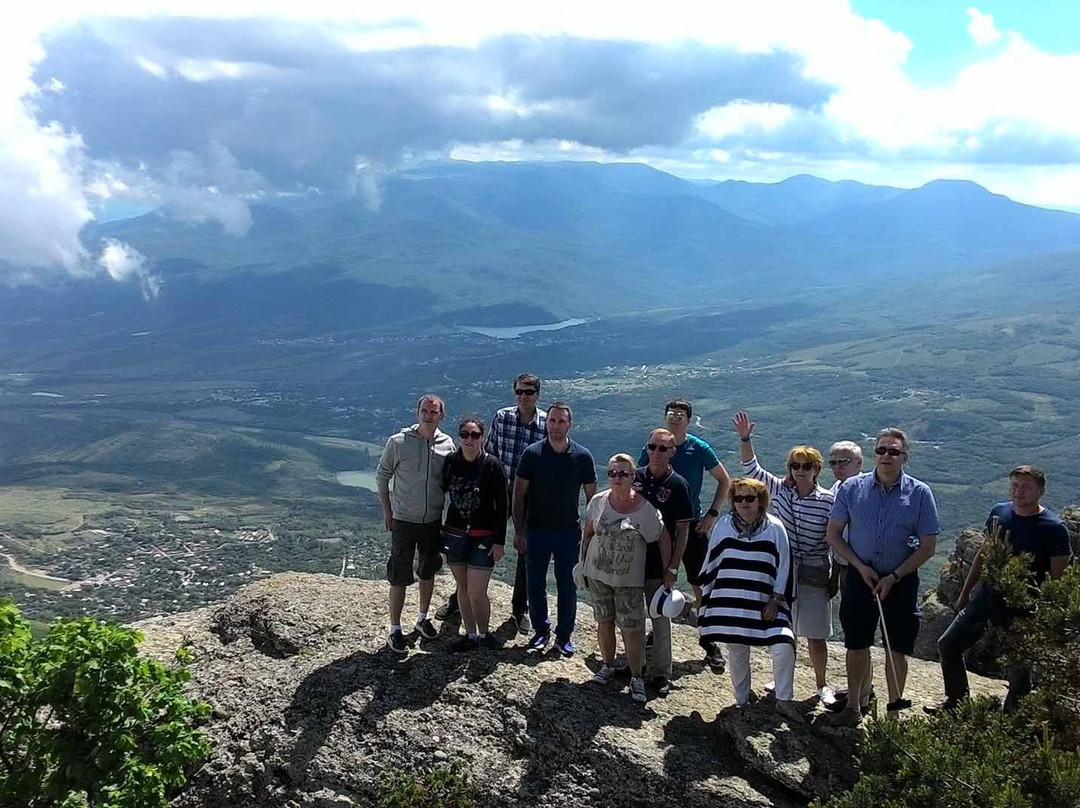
<point x="669" y="493"/>
<point x="892" y="527"/>
<point x="512" y="430"/>
<point x="845" y="461"/>
<point x="691" y="459"/>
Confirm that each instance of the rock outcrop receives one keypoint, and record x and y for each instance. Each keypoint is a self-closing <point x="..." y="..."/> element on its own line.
<point x="937" y="604"/>
<point x="311" y="709"/>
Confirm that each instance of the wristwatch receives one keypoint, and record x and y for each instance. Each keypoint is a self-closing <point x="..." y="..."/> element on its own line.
<point x="712" y="512"/>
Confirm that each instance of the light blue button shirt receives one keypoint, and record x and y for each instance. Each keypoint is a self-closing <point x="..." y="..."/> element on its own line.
<point x="884" y="525"/>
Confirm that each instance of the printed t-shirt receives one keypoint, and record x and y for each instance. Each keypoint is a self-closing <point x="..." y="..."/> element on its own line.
<point x="616" y="552"/>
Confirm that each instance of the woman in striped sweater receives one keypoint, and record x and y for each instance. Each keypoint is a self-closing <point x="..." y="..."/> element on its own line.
<point x="803" y="506"/>
<point x="744" y="581"/>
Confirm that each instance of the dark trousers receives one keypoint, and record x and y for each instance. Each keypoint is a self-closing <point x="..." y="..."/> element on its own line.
<point x="543" y="545"/>
<point x="965" y="630"/>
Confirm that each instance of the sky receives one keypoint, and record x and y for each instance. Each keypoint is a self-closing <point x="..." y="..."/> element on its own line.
<point x="197" y="108"/>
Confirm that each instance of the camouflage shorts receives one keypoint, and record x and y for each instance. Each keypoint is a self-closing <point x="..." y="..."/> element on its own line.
<point x="623" y="604"/>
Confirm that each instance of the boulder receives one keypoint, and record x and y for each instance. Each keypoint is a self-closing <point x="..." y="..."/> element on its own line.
<point x="312" y="709"/>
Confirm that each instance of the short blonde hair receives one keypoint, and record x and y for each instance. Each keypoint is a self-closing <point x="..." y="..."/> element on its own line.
<point x="622" y="457"/>
<point x="804" y="454"/>
<point x="849" y="446"/>
<point x="757" y="486"/>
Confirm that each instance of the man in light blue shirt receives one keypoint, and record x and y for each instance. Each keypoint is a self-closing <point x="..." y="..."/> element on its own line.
<point x="892" y="528"/>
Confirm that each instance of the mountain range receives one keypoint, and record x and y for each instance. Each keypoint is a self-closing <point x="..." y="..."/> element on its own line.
<point x="576" y="239"/>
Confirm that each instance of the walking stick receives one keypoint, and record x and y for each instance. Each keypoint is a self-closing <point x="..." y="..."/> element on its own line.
<point x="888" y="649"/>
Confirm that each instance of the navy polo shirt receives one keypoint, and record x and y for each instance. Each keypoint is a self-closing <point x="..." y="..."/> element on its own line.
<point x="555" y="481"/>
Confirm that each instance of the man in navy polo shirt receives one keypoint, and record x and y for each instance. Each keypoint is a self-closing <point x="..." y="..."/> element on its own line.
<point x="547" y="496"/>
<point x="669" y="493"/>
<point x="1030" y="528"/>
<point x="892" y="528"/>
<point x="691" y="459"/>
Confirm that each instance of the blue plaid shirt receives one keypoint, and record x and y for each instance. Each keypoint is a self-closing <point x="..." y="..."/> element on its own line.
<point x="509" y="436"/>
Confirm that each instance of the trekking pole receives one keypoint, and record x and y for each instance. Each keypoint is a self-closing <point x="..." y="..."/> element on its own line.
<point x="888" y="648"/>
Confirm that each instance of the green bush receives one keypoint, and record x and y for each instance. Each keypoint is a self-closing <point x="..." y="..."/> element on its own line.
<point x="86" y="721"/>
<point x="983" y="757"/>
<point x="444" y="786"/>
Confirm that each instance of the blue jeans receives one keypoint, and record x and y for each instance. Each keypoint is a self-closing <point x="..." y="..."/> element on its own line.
<point x="541" y="545"/>
<point x="965" y="630"/>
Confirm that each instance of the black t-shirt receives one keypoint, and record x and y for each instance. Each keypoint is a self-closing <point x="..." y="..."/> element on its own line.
<point x="477" y="494"/>
<point x="670" y="495"/>
<point x="1044" y="535"/>
<point x="555" y="480"/>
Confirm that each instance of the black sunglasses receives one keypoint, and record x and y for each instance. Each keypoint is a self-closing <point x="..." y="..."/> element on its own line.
<point x="803" y="466"/>
<point x="622" y="475"/>
<point x="744" y="497"/>
<point x="888" y="450"/>
<point x="524" y="392"/>
<point x="657" y="447"/>
<point x="467" y="434"/>
<point x="843" y="461"/>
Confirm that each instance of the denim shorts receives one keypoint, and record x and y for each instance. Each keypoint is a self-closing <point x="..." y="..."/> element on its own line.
<point x="470" y="550"/>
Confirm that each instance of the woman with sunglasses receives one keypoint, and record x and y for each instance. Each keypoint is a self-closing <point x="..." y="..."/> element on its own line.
<point x="619" y="524"/>
<point x="743" y="583"/>
<point x="803" y="506"/>
<point x="474" y="531"/>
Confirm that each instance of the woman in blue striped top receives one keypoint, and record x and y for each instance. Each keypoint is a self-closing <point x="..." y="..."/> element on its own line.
<point x="803" y="506"/>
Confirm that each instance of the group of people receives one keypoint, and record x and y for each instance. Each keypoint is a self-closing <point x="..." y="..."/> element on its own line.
<point x="765" y="559"/>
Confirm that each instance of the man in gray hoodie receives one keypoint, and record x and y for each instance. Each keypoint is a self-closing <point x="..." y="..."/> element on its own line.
<point x="412" y="510"/>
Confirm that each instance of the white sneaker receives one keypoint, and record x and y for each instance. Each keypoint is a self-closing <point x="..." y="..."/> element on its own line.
<point x="827" y="696"/>
<point x="604" y="675"/>
<point x="770" y="687"/>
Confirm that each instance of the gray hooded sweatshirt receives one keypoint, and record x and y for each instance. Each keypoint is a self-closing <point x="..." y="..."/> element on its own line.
<point x="415" y="464"/>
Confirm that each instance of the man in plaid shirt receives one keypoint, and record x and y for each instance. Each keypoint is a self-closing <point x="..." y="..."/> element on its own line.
<point x="513" y="429"/>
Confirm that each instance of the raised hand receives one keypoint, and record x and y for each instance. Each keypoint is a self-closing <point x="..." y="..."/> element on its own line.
<point x="744" y="427"/>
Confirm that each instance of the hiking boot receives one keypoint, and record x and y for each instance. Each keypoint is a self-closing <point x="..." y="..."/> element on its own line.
<point x="789" y="711"/>
<point x="521" y="622"/>
<point x="464" y="645"/>
<point x="661" y="685"/>
<point x="566" y="648"/>
<point x="395" y="641"/>
<point x="949" y="706"/>
<point x="844" y="718"/>
<point x="540" y="640"/>
<point x="637" y="690"/>
<point x="426" y="629"/>
<point x="448" y="609"/>
<point x="604" y="675"/>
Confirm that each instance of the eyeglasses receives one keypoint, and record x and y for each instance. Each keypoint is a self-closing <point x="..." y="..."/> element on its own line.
<point x="523" y="392"/>
<point x="839" y="461"/>
<point x="621" y="475"/>
<point x="802" y="466"/>
<point x="744" y="497"/>
<point x="888" y="450"/>
<point x="658" y="447"/>
<point x="675" y="415"/>
<point x="467" y="434"/>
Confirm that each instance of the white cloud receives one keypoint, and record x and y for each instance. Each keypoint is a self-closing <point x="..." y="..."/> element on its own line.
<point x="981" y="27"/>
<point x="123" y="262"/>
<point x="740" y="116"/>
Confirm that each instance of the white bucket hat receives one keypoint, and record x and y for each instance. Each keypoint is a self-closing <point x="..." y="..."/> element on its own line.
<point x="667" y="603"/>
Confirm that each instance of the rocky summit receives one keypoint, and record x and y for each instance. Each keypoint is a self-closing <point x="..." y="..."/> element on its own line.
<point x="311" y="709"/>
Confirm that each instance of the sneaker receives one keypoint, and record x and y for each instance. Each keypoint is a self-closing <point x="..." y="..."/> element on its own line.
<point x="489" y="642"/>
<point x="770" y="687"/>
<point x="844" y="718"/>
<point x="714" y="658"/>
<point x="566" y="648"/>
<point x="637" y="690"/>
<point x="464" y="645"/>
<point x="395" y="641"/>
<point x="789" y="711"/>
<point x="949" y="706"/>
<point x="826" y="696"/>
<point x="604" y="675"/>
<point x="540" y="640"/>
<point x="522" y="622"/>
<point x="661" y="685"/>
<point x="426" y="629"/>
<point x="448" y="609"/>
